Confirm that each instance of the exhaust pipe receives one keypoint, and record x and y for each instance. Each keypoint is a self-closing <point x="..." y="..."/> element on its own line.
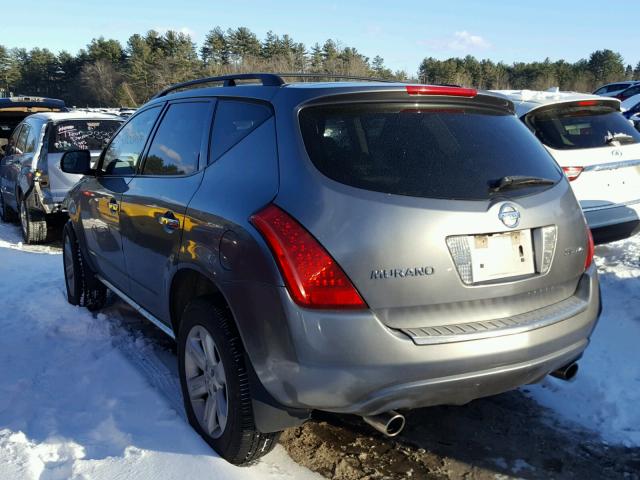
<point x="389" y="423"/>
<point x="567" y="372"/>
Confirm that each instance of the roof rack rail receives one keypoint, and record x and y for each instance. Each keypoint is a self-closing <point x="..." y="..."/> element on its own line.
<point x="334" y="75"/>
<point x="267" y="79"/>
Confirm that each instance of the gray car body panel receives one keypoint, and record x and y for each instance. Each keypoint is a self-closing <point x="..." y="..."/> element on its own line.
<point x="361" y="361"/>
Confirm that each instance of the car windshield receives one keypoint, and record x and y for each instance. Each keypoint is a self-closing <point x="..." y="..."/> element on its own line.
<point x="82" y="135"/>
<point x="435" y="152"/>
<point x="574" y="127"/>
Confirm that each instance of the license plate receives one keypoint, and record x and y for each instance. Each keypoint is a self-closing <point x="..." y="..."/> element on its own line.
<point x="501" y="255"/>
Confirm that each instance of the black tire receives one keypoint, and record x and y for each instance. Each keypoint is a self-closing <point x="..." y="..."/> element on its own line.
<point x="83" y="288"/>
<point x="6" y="213"/>
<point x="240" y="443"/>
<point x="33" y="223"/>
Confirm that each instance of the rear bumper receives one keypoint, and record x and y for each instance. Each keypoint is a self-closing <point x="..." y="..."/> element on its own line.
<point x="615" y="222"/>
<point x="352" y="363"/>
<point x="49" y="202"/>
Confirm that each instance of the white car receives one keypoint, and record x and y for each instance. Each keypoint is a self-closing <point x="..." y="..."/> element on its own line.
<point x="598" y="149"/>
<point x="613" y="89"/>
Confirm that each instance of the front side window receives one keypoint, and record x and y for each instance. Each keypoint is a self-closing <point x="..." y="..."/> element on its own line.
<point x="423" y="151"/>
<point x="81" y="135"/>
<point x="31" y="140"/>
<point x="235" y="120"/>
<point x="21" y="144"/>
<point x="122" y="155"/>
<point x="175" y="149"/>
<point x="574" y="127"/>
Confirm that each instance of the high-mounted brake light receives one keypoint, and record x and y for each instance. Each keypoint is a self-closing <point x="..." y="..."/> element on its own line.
<point x="441" y="90"/>
<point x="572" y="172"/>
<point x="590" y="249"/>
<point x="587" y="103"/>
<point x="312" y="276"/>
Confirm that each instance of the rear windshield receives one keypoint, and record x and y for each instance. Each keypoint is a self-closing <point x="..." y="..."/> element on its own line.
<point x="435" y="152"/>
<point x="81" y="135"/>
<point x="582" y="127"/>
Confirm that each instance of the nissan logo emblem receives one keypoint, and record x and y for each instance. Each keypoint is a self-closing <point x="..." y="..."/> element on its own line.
<point x="509" y="215"/>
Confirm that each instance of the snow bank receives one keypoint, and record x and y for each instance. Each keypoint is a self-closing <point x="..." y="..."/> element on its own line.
<point x="605" y="395"/>
<point x="73" y="405"/>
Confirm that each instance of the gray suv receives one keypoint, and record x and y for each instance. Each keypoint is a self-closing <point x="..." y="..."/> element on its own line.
<point x="355" y="247"/>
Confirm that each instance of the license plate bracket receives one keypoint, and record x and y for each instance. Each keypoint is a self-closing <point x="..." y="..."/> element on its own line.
<point x="501" y="255"/>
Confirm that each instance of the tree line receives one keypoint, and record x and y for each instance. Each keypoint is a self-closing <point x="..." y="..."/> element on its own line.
<point x="108" y="73"/>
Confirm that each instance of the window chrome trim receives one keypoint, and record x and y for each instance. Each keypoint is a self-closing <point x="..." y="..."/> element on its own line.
<point x="611" y="165"/>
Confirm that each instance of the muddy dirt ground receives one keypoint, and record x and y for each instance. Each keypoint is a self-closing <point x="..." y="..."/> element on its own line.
<point x="507" y="436"/>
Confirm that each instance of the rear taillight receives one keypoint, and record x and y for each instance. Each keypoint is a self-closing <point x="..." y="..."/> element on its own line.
<point x="590" y="250"/>
<point x="572" y="172"/>
<point x="441" y="90"/>
<point x="313" y="278"/>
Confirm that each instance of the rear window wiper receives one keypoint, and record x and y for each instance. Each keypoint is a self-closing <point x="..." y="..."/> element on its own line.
<point x="621" y="138"/>
<point x="515" y="181"/>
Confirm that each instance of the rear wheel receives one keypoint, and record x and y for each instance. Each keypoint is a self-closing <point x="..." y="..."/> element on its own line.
<point x="215" y="385"/>
<point x="33" y="223"/>
<point x="6" y="214"/>
<point x="83" y="288"/>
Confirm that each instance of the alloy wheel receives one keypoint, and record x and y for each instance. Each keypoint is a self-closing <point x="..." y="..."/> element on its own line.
<point x="206" y="381"/>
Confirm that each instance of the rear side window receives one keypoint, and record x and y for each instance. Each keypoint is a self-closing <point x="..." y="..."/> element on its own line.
<point x="617" y="86"/>
<point x="451" y="153"/>
<point x="631" y="91"/>
<point x="175" y="149"/>
<point x="122" y="154"/>
<point x="81" y="135"/>
<point x="575" y="127"/>
<point x="234" y="121"/>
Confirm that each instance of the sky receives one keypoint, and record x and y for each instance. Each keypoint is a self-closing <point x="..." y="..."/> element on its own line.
<point x="402" y="32"/>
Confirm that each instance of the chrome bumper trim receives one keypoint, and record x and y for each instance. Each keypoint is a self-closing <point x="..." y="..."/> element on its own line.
<point x="462" y="332"/>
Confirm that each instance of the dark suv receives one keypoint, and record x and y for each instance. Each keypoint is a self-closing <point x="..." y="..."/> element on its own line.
<point x="347" y="247"/>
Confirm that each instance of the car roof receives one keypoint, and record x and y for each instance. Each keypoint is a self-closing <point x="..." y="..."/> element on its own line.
<point x="302" y="92"/>
<point x="75" y="115"/>
<point x="622" y="82"/>
<point x="24" y="101"/>
<point x="526" y="101"/>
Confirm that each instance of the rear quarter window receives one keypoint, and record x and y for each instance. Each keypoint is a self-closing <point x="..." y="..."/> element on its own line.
<point x="234" y="120"/>
<point x="81" y="135"/>
<point x="435" y="152"/>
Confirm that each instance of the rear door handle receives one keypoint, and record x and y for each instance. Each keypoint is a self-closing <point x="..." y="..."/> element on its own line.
<point x="113" y="206"/>
<point x="169" y="222"/>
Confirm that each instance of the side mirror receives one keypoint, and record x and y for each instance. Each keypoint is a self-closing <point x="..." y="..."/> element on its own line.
<point x="76" y="161"/>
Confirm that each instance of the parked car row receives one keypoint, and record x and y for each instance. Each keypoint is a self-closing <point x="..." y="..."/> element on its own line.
<point x="619" y="90"/>
<point x="352" y="247"/>
<point x="32" y="185"/>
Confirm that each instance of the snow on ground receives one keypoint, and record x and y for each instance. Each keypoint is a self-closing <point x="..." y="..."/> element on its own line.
<point x="605" y="395"/>
<point x="82" y="397"/>
<point x="73" y="404"/>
